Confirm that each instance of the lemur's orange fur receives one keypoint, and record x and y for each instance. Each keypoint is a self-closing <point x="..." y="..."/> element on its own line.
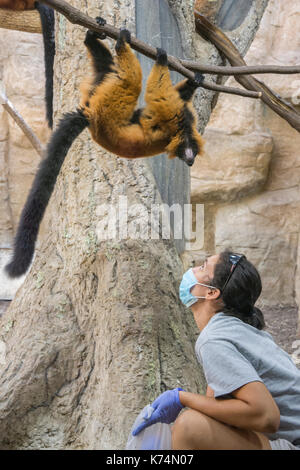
<point x="110" y="106"/>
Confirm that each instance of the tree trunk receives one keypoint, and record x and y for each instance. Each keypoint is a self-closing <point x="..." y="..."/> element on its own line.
<point x="97" y="330"/>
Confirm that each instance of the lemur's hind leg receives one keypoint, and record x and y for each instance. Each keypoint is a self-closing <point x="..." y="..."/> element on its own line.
<point x="186" y="88"/>
<point x="159" y="84"/>
<point x="113" y="102"/>
<point x="102" y="63"/>
<point x="162" y="99"/>
<point x="129" y="68"/>
<point x="118" y="95"/>
<point x="101" y="56"/>
<point x="123" y="39"/>
<point x="159" y="79"/>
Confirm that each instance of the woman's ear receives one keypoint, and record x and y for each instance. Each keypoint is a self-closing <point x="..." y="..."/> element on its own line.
<point x="214" y="293"/>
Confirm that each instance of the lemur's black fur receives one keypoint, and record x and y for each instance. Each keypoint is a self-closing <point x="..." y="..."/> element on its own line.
<point x="68" y="129"/>
<point x="47" y="20"/>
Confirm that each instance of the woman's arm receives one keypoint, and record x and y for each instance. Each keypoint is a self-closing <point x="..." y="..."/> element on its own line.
<point x="252" y="407"/>
<point x="210" y="392"/>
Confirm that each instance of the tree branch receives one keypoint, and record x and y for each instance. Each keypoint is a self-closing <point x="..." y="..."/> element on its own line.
<point x="242" y="70"/>
<point x="224" y="45"/>
<point x="75" y="16"/>
<point x="7" y="105"/>
<point x="28" y="21"/>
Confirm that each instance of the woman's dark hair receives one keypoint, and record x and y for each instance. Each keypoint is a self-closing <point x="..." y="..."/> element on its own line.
<point x="241" y="291"/>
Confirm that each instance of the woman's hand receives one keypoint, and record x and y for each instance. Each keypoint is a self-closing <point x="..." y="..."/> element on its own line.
<point x="166" y="409"/>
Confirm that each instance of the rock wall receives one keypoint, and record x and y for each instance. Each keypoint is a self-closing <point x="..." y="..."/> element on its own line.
<point x="22" y="74"/>
<point x="249" y="177"/>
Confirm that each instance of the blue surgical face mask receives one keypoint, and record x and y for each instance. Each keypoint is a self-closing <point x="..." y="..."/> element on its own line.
<point x="188" y="281"/>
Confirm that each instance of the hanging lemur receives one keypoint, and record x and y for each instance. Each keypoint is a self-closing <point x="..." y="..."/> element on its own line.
<point x="47" y="21"/>
<point x="108" y="108"/>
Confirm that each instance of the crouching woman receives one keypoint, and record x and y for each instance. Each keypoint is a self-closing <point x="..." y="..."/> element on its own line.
<point x="253" y="393"/>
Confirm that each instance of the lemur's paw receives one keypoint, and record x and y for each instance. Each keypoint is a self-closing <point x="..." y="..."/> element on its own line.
<point x="124" y="37"/>
<point x="161" y="57"/>
<point x="92" y="35"/>
<point x="198" y="79"/>
<point x="101" y="22"/>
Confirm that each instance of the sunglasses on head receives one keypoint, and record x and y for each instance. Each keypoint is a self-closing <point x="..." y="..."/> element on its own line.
<point x="235" y="258"/>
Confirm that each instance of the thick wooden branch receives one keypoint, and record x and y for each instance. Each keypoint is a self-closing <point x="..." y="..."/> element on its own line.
<point x="75" y="16"/>
<point x="224" y="45"/>
<point x="242" y="70"/>
<point x="28" y="21"/>
<point x="8" y="106"/>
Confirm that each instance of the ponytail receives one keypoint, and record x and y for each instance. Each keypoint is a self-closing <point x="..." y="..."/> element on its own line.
<point x="254" y="318"/>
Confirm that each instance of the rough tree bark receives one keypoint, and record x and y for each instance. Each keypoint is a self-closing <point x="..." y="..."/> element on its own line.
<point x="97" y="329"/>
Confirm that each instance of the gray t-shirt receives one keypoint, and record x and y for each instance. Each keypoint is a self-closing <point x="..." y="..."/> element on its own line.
<point x="233" y="353"/>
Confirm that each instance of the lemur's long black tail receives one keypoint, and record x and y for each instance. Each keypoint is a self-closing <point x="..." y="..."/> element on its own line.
<point x="70" y="126"/>
<point x="47" y="20"/>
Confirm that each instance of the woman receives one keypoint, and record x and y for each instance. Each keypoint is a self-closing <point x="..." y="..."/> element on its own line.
<point x="253" y="393"/>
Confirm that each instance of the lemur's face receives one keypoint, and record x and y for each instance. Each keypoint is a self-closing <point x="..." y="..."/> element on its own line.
<point x="187" y="151"/>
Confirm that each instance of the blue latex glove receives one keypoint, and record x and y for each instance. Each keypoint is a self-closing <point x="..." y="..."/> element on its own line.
<point x="166" y="409"/>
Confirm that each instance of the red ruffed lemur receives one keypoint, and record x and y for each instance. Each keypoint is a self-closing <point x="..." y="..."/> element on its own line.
<point x="167" y="123"/>
<point x="47" y="20"/>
